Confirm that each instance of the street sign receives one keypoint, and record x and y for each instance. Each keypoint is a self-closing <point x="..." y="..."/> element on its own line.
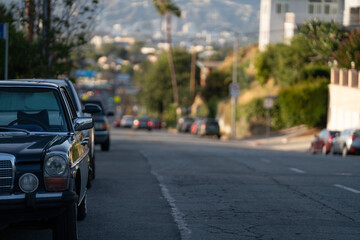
<point x="234" y="89"/>
<point x="268" y="103"/>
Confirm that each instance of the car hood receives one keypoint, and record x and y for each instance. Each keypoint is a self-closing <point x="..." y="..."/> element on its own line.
<point x="29" y="148"/>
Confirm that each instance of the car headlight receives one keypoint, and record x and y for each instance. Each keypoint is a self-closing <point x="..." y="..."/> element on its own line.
<point x="56" y="166"/>
<point x="28" y="183"/>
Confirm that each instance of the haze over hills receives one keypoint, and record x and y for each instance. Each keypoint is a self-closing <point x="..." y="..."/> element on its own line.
<point x="197" y="16"/>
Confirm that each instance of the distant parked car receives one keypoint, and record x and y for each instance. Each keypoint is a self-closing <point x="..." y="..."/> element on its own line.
<point x="195" y="126"/>
<point x="184" y="124"/>
<point x="117" y="122"/>
<point x="347" y="142"/>
<point x="156" y="123"/>
<point x="127" y="121"/>
<point x="101" y="125"/>
<point x="142" y="123"/>
<point x="209" y="127"/>
<point x="322" y="142"/>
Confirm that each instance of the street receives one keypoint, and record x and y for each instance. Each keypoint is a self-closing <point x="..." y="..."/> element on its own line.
<point x="160" y="185"/>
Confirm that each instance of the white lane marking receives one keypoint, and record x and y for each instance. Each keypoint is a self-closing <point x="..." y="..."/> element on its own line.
<point x="297" y="170"/>
<point x="265" y="160"/>
<point x="178" y="216"/>
<point x="347" y="188"/>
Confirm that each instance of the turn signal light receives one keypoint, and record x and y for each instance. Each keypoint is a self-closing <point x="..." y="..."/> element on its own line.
<point x="56" y="184"/>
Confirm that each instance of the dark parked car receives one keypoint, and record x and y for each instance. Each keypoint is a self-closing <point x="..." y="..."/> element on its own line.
<point x="195" y="126"/>
<point x="44" y="157"/>
<point x="347" y="142"/>
<point x="101" y="125"/>
<point x="209" y="127"/>
<point x="184" y="124"/>
<point x="142" y="123"/>
<point x="89" y="133"/>
<point x="155" y="123"/>
<point x="322" y="142"/>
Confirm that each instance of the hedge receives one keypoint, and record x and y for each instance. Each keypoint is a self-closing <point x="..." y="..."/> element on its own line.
<point x="305" y="103"/>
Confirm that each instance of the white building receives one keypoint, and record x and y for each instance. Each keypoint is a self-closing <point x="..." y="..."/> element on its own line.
<point x="280" y="18"/>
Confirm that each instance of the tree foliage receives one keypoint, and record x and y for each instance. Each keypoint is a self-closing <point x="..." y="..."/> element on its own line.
<point x="349" y="51"/>
<point x="153" y="79"/>
<point x="324" y="38"/>
<point x="312" y="48"/>
<point x="48" y="41"/>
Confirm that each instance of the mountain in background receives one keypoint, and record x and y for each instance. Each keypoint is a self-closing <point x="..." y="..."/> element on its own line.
<point x="197" y="16"/>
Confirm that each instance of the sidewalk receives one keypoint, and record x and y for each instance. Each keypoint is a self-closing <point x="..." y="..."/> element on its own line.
<point x="296" y="139"/>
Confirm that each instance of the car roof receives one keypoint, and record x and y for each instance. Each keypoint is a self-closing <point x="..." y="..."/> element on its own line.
<point x="28" y="83"/>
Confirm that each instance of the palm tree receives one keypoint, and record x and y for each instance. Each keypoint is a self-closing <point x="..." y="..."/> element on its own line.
<point x="167" y="8"/>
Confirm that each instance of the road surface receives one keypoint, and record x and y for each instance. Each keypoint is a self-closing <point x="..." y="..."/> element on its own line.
<point x="159" y="185"/>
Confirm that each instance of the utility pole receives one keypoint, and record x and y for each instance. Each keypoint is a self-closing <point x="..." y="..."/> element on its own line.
<point x="234" y="84"/>
<point x="46" y="29"/>
<point x="192" y="74"/>
<point x="4" y="33"/>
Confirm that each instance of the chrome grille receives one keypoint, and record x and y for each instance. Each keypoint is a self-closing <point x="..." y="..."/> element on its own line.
<point x="7" y="168"/>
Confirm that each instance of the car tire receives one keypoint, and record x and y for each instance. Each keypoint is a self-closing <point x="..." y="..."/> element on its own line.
<point x="105" y="146"/>
<point x="65" y="225"/>
<point x="82" y="209"/>
<point x="344" y="151"/>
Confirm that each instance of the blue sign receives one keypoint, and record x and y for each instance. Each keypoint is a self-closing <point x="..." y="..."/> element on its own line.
<point x="86" y="73"/>
<point x="2" y="28"/>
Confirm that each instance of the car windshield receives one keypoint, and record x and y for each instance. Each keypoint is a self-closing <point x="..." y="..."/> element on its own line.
<point x="32" y="109"/>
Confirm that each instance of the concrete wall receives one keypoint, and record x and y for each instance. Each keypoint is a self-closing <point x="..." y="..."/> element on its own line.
<point x="344" y="99"/>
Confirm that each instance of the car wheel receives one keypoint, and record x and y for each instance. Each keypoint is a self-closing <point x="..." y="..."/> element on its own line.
<point x="106" y="145"/>
<point x="82" y="209"/>
<point x="65" y="225"/>
<point x="344" y="151"/>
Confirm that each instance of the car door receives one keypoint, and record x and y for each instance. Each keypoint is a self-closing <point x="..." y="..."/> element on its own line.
<point x="79" y="150"/>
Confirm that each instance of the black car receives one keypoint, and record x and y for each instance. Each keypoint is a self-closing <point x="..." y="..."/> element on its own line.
<point x="101" y="125"/>
<point x="44" y="157"/>
<point x="89" y="133"/>
<point x="142" y="123"/>
<point x="209" y="127"/>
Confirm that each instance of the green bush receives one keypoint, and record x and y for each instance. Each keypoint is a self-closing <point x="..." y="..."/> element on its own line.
<point x="253" y="117"/>
<point x="305" y="103"/>
<point x="315" y="71"/>
<point x="170" y="116"/>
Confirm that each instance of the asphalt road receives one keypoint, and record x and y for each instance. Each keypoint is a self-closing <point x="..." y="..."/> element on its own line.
<point x="158" y="185"/>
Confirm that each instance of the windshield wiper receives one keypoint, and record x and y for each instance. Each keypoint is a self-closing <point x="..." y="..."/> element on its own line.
<point x="7" y="129"/>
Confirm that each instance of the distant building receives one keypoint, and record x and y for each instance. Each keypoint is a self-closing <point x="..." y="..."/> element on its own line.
<point x="280" y="18"/>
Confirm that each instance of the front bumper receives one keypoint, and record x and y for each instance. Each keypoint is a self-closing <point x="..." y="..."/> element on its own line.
<point x="34" y="206"/>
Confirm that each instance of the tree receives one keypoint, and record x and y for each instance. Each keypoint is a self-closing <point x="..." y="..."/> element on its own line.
<point x="153" y="79"/>
<point x="349" y="50"/>
<point x="52" y="29"/>
<point x="324" y="38"/>
<point x="167" y="8"/>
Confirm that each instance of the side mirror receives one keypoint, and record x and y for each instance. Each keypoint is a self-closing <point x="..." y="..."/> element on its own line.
<point x="110" y="114"/>
<point x="91" y="108"/>
<point x="83" y="123"/>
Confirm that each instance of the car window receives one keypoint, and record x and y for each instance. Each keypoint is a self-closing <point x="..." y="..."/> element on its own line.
<point x="70" y="103"/>
<point x="33" y="109"/>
